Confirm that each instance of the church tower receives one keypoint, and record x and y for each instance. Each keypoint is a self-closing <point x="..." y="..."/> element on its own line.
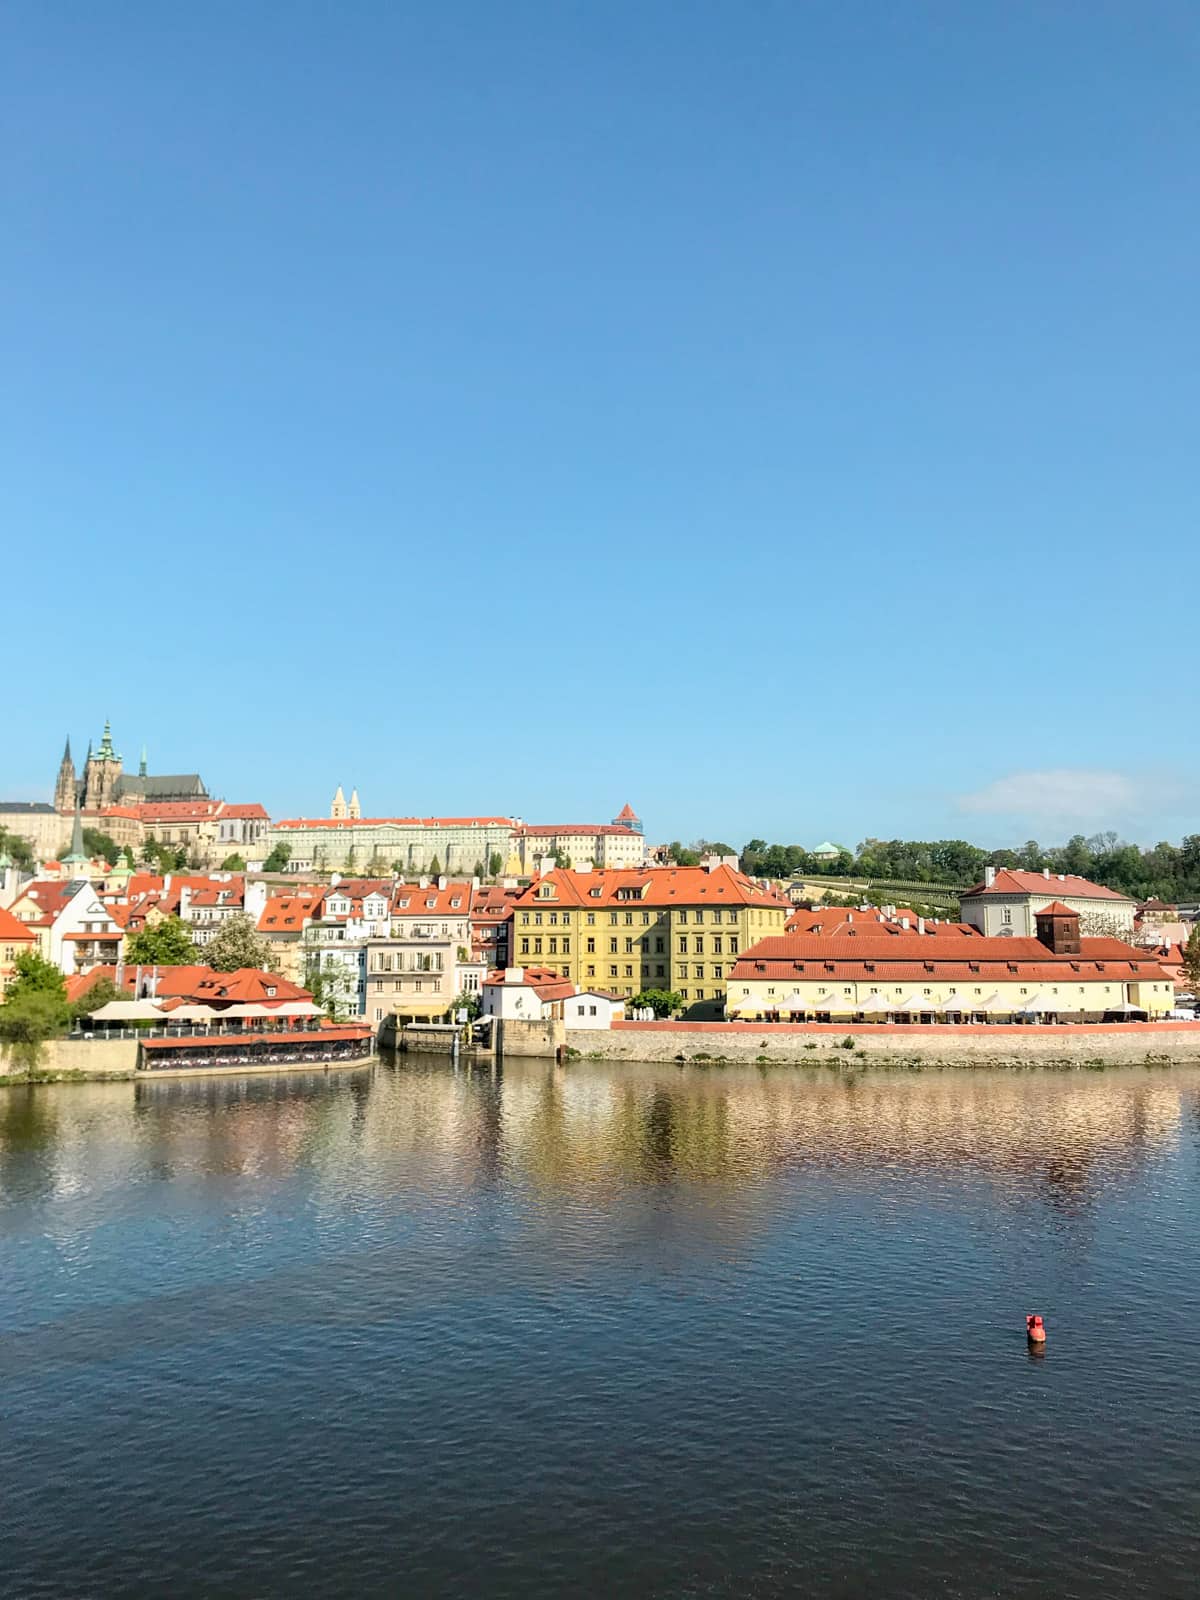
<point x="66" y="794"/>
<point x="337" y="810"/>
<point x="101" y="773"/>
<point x="355" y="810"/>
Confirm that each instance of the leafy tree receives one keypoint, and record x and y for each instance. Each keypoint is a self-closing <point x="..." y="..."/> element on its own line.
<point x="560" y="859"/>
<point x="162" y="944"/>
<point x="99" y="994"/>
<point x="470" y="1003"/>
<point x="278" y="859"/>
<point x="35" y="1006"/>
<point x="98" y="844"/>
<point x="237" y="943"/>
<point x="478" y="870"/>
<point x="1191" y="960"/>
<point x="18" y="847"/>
<point x="495" y="863"/>
<point x="234" y="863"/>
<point x="683" y="857"/>
<point x="31" y="1018"/>
<point x="129" y="861"/>
<point x="663" y="1001"/>
<point x="435" y="868"/>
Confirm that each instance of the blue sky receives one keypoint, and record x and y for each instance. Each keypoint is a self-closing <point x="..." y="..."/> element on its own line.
<point x="780" y="416"/>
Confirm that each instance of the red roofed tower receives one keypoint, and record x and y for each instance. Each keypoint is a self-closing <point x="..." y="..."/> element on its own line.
<point x="627" y="817"/>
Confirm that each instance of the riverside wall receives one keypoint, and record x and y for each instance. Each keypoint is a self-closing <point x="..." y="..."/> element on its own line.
<point x="98" y="1056"/>
<point x="1116" y="1044"/>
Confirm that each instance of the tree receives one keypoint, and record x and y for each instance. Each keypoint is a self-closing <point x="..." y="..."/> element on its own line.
<point x="495" y="864"/>
<point x="435" y="868"/>
<point x="663" y="1002"/>
<point x="237" y="943"/>
<point x="233" y="863"/>
<point x="100" y="845"/>
<point x="681" y="856"/>
<point x="278" y="859"/>
<point x="1191" y="960"/>
<point x="35" y="1006"/>
<point x="478" y="871"/>
<point x="162" y="944"/>
<point x="560" y="859"/>
<point x="18" y="847"/>
<point x="468" y="1002"/>
<point x="99" y="994"/>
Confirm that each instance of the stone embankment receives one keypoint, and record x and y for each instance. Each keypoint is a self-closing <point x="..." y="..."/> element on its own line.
<point x="1117" y="1044"/>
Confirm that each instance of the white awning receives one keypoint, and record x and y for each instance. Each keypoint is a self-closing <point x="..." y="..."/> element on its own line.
<point x="955" y="1002"/>
<point x="994" y="1003"/>
<point x="296" y="1008"/>
<point x="1038" y="1006"/>
<point x="916" y="1002"/>
<point x="876" y="1002"/>
<point x="127" y="1011"/>
<point x="833" y="1004"/>
<point x="794" y="1002"/>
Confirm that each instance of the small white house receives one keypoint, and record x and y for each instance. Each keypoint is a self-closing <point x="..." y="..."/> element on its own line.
<point x="593" y="1008"/>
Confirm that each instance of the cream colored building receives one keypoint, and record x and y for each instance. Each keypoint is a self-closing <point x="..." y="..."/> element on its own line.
<point x="1005" y="905"/>
<point x="876" y="976"/>
<point x="603" y="845"/>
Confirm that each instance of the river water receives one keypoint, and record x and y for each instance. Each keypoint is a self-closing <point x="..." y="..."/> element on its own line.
<point x="607" y="1330"/>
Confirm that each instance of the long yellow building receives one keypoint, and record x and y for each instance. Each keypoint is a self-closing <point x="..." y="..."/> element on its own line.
<point x="677" y="928"/>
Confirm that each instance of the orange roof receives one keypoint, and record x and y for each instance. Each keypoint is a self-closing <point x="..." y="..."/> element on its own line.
<point x="627" y="813"/>
<point x="877" y="958"/>
<point x="14" y="932"/>
<point x="177" y="810"/>
<point x="410" y="900"/>
<point x="203" y="984"/>
<point x="1010" y="880"/>
<point x="547" y="830"/>
<point x="287" y="913"/>
<point x="253" y="810"/>
<point x="400" y="822"/>
<point x="545" y="982"/>
<point x="1057" y="909"/>
<point x="650" y="886"/>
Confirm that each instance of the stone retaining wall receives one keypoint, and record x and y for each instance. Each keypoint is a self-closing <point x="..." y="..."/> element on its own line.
<point x="1072" y="1046"/>
<point x="78" y="1055"/>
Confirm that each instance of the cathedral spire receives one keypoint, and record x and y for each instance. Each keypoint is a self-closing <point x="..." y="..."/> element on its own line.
<point x="142" y="764"/>
<point x="75" y="857"/>
<point x="67" y="752"/>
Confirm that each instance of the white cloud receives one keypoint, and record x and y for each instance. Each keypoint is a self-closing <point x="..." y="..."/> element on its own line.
<point x="1067" y="797"/>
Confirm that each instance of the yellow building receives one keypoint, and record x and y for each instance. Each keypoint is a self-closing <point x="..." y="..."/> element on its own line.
<point x="677" y="928"/>
<point x="879" y="973"/>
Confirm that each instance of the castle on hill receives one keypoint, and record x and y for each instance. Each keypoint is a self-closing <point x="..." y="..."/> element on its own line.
<point x="104" y="781"/>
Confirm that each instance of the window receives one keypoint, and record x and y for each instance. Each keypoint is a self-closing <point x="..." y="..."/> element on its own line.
<point x="629" y="972"/>
<point x="537" y="947"/>
<point x="718" y="943"/>
<point x="629" y="917"/>
<point x="612" y="972"/>
<point x="683" y="916"/>
<point x="698" y="944"/>
<point x="660" y="971"/>
<point x="591" y="917"/>
<point x="1008" y="914"/>
<point x="612" y="947"/>
<point x="537" y="917"/>
<point x="591" y="1011"/>
<point x="553" y="945"/>
<point x="591" y="947"/>
<point x="566" y="945"/>
<point x="658" y="947"/>
<point x="629" y="947"/>
<point x="717" y="914"/>
<point x="612" y="918"/>
<point x="699" y="916"/>
<point x="733" y="945"/>
<point x="591" y="972"/>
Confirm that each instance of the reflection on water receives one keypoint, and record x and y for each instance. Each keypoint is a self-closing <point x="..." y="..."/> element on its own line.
<point x="623" y="1329"/>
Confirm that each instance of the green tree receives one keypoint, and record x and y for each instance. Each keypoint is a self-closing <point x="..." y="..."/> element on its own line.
<point x="470" y="1003"/>
<point x="1191" y="960"/>
<point x="664" y="1002"/>
<point x="35" y="1006"/>
<point x="495" y="863"/>
<point x="18" y="847"/>
<point x="435" y="868"/>
<point x="162" y="944"/>
<point x="278" y="859"/>
<point x="98" y="844"/>
<point x="234" y="863"/>
<point x="682" y="856"/>
<point x="560" y="859"/>
<point x="236" y="944"/>
<point x="478" y="870"/>
<point x="98" y="994"/>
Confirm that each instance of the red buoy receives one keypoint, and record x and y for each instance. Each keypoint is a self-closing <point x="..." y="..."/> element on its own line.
<point x="1035" y="1328"/>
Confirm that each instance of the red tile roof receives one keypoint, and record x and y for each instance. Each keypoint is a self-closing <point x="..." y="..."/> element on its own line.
<point x="545" y="982"/>
<point x="401" y="822"/>
<point x="651" y="886"/>
<point x="254" y="812"/>
<point x="548" y="830"/>
<point x="410" y="900"/>
<point x="959" y="959"/>
<point x="287" y="913"/>
<point x="1009" y="880"/>
<point x="13" y="931"/>
<point x="1057" y="909"/>
<point x="627" y="813"/>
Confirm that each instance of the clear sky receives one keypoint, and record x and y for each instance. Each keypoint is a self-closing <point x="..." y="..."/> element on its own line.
<point x="781" y="416"/>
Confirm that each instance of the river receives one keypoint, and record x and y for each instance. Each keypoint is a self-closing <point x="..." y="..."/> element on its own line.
<point x="601" y="1330"/>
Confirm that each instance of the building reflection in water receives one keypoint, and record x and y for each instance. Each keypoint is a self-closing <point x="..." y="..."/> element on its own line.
<point x="1061" y="1137"/>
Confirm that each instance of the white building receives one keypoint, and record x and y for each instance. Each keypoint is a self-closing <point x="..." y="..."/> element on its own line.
<point x="1006" y="904"/>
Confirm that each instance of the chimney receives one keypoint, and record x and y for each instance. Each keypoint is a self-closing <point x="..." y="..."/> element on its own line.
<point x="989" y="877"/>
<point x="442" y="881"/>
<point x="920" y="924"/>
<point x="1046" y="873"/>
